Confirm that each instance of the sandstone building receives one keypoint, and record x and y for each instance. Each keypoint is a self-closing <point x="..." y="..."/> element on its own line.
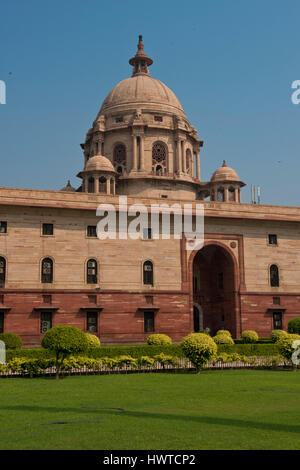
<point x="55" y="270"/>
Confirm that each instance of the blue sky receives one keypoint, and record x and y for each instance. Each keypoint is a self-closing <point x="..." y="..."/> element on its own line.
<point x="231" y="63"/>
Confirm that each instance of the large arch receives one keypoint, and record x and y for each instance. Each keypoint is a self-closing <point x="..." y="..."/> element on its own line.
<point x="214" y="286"/>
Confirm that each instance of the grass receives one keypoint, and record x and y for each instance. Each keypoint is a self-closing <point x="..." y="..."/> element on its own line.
<point x="229" y="409"/>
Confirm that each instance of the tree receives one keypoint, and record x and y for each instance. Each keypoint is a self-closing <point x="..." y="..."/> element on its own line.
<point x="199" y="348"/>
<point x="64" y="341"/>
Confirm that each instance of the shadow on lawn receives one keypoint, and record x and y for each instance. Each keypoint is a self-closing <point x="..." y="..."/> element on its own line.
<point x="106" y="411"/>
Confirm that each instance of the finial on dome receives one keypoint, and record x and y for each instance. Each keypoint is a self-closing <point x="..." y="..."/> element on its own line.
<point x="224" y="163"/>
<point x="140" y="61"/>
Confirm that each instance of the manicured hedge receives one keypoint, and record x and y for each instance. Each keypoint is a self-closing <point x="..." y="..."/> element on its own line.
<point x="151" y="351"/>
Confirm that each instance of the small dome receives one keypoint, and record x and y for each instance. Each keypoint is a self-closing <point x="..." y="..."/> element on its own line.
<point x="99" y="163"/>
<point x="69" y="188"/>
<point x="225" y="173"/>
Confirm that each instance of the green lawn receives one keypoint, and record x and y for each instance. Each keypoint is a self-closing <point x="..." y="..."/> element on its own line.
<point x="229" y="409"/>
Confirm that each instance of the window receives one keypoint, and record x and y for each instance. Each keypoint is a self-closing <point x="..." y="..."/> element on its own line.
<point x="92" y="322"/>
<point x="188" y="159"/>
<point x="147" y="234"/>
<point x="119" y="119"/>
<point x="148" y="322"/>
<point x="277" y="320"/>
<point x="158" y="118"/>
<point x="274" y="276"/>
<point x="276" y="300"/>
<point x="112" y="185"/>
<point x="159" y="158"/>
<point x="91" y="185"/>
<point x="220" y="281"/>
<point x="47" y="270"/>
<point x="148" y="273"/>
<point x="92" y="231"/>
<point x="221" y="195"/>
<point x="1" y="322"/>
<point x="3" y="227"/>
<point x="120" y="157"/>
<point x="47" y="299"/>
<point x="46" y="322"/>
<point x="272" y="239"/>
<point x="102" y="184"/>
<point x="2" y="270"/>
<point x="231" y="194"/>
<point x="91" y="275"/>
<point x="47" y="229"/>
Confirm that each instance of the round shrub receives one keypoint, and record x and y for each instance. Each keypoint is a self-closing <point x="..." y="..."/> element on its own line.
<point x="11" y="340"/>
<point x="222" y="338"/>
<point x="159" y="340"/>
<point x="93" y="340"/>
<point x="249" y="336"/>
<point x="285" y="347"/>
<point x="224" y="332"/>
<point x="294" y="326"/>
<point x="199" y="348"/>
<point x="276" y="335"/>
<point x="65" y="340"/>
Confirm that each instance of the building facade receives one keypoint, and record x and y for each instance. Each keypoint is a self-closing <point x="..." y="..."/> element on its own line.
<point x="55" y="270"/>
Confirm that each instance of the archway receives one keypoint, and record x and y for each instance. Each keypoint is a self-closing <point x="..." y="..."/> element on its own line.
<point x="214" y="288"/>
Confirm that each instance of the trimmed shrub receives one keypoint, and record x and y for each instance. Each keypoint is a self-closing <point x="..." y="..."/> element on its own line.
<point x="294" y="326"/>
<point x="277" y="335"/>
<point x="249" y="336"/>
<point x="224" y="332"/>
<point x="223" y="339"/>
<point x="165" y="360"/>
<point x="146" y="361"/>
<point x="199" y="348"/>
<point x="94" y="341"/>
<point x="11" y="340"/>
<point x="159" y="340"/>
<point x="285" y="347"/>
<point x="65" y="340"/>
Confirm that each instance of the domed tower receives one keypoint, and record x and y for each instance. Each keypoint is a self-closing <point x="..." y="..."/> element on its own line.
<point x="225" y="185"/>
<point x="99" y="176"/>
<point x="143" y="132"/>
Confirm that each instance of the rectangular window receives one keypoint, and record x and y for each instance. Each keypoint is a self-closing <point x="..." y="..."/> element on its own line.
<point x="119" y="119"/>
<point x="47" y="229"/>
<point x="92" y="322"/>
<point x="158" y="118"/>
<point x="148" y="322"/>
<point x="46" y="322"/>
<point x="272" y="239"/>
<point x="1" y="322"/>
<point x="276" y="300"/>
<point x="147" y="234"/>
<point x="47" y="299"/>
<point x="92" y="231"/>
<point x="277" y="320"/>
<point x="3" y="227"/>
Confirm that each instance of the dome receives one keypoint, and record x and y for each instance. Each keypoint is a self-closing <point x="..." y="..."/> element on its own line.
<point x="99" y="163"/>
<point x="225" y="173"/>
<point x="142" y="90"/>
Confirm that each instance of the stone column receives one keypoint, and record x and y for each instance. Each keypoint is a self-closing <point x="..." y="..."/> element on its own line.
<point x="142" y="161"/>
<point x="178" y="156"/>
<point x="183" y="156"/>
<point x="198" y="164"/>
<point x="108" y="185"/>
<point x="134" y="144"/>
<point x="226" y="198"/>
<point x="236" y="194"/>
<point x="96" y="184"/>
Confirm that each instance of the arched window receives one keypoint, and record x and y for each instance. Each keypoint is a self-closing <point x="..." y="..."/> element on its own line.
<point x="231" y="194"/>
<point x="91" y="185"/>
<point x="148" y="273"/>
<point x="91" y="272"/>
<point x="221" y="195"/>
<point x="274" y="275"/>
<point x="159" y="170"/>
<point x="2" y="270"/>
<point x="47" y="270"/>
<point x="159" y="157"/>
<point x="120" y="157"/>
<point x="102" y="184"/>
<point x="188" y="158"/>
